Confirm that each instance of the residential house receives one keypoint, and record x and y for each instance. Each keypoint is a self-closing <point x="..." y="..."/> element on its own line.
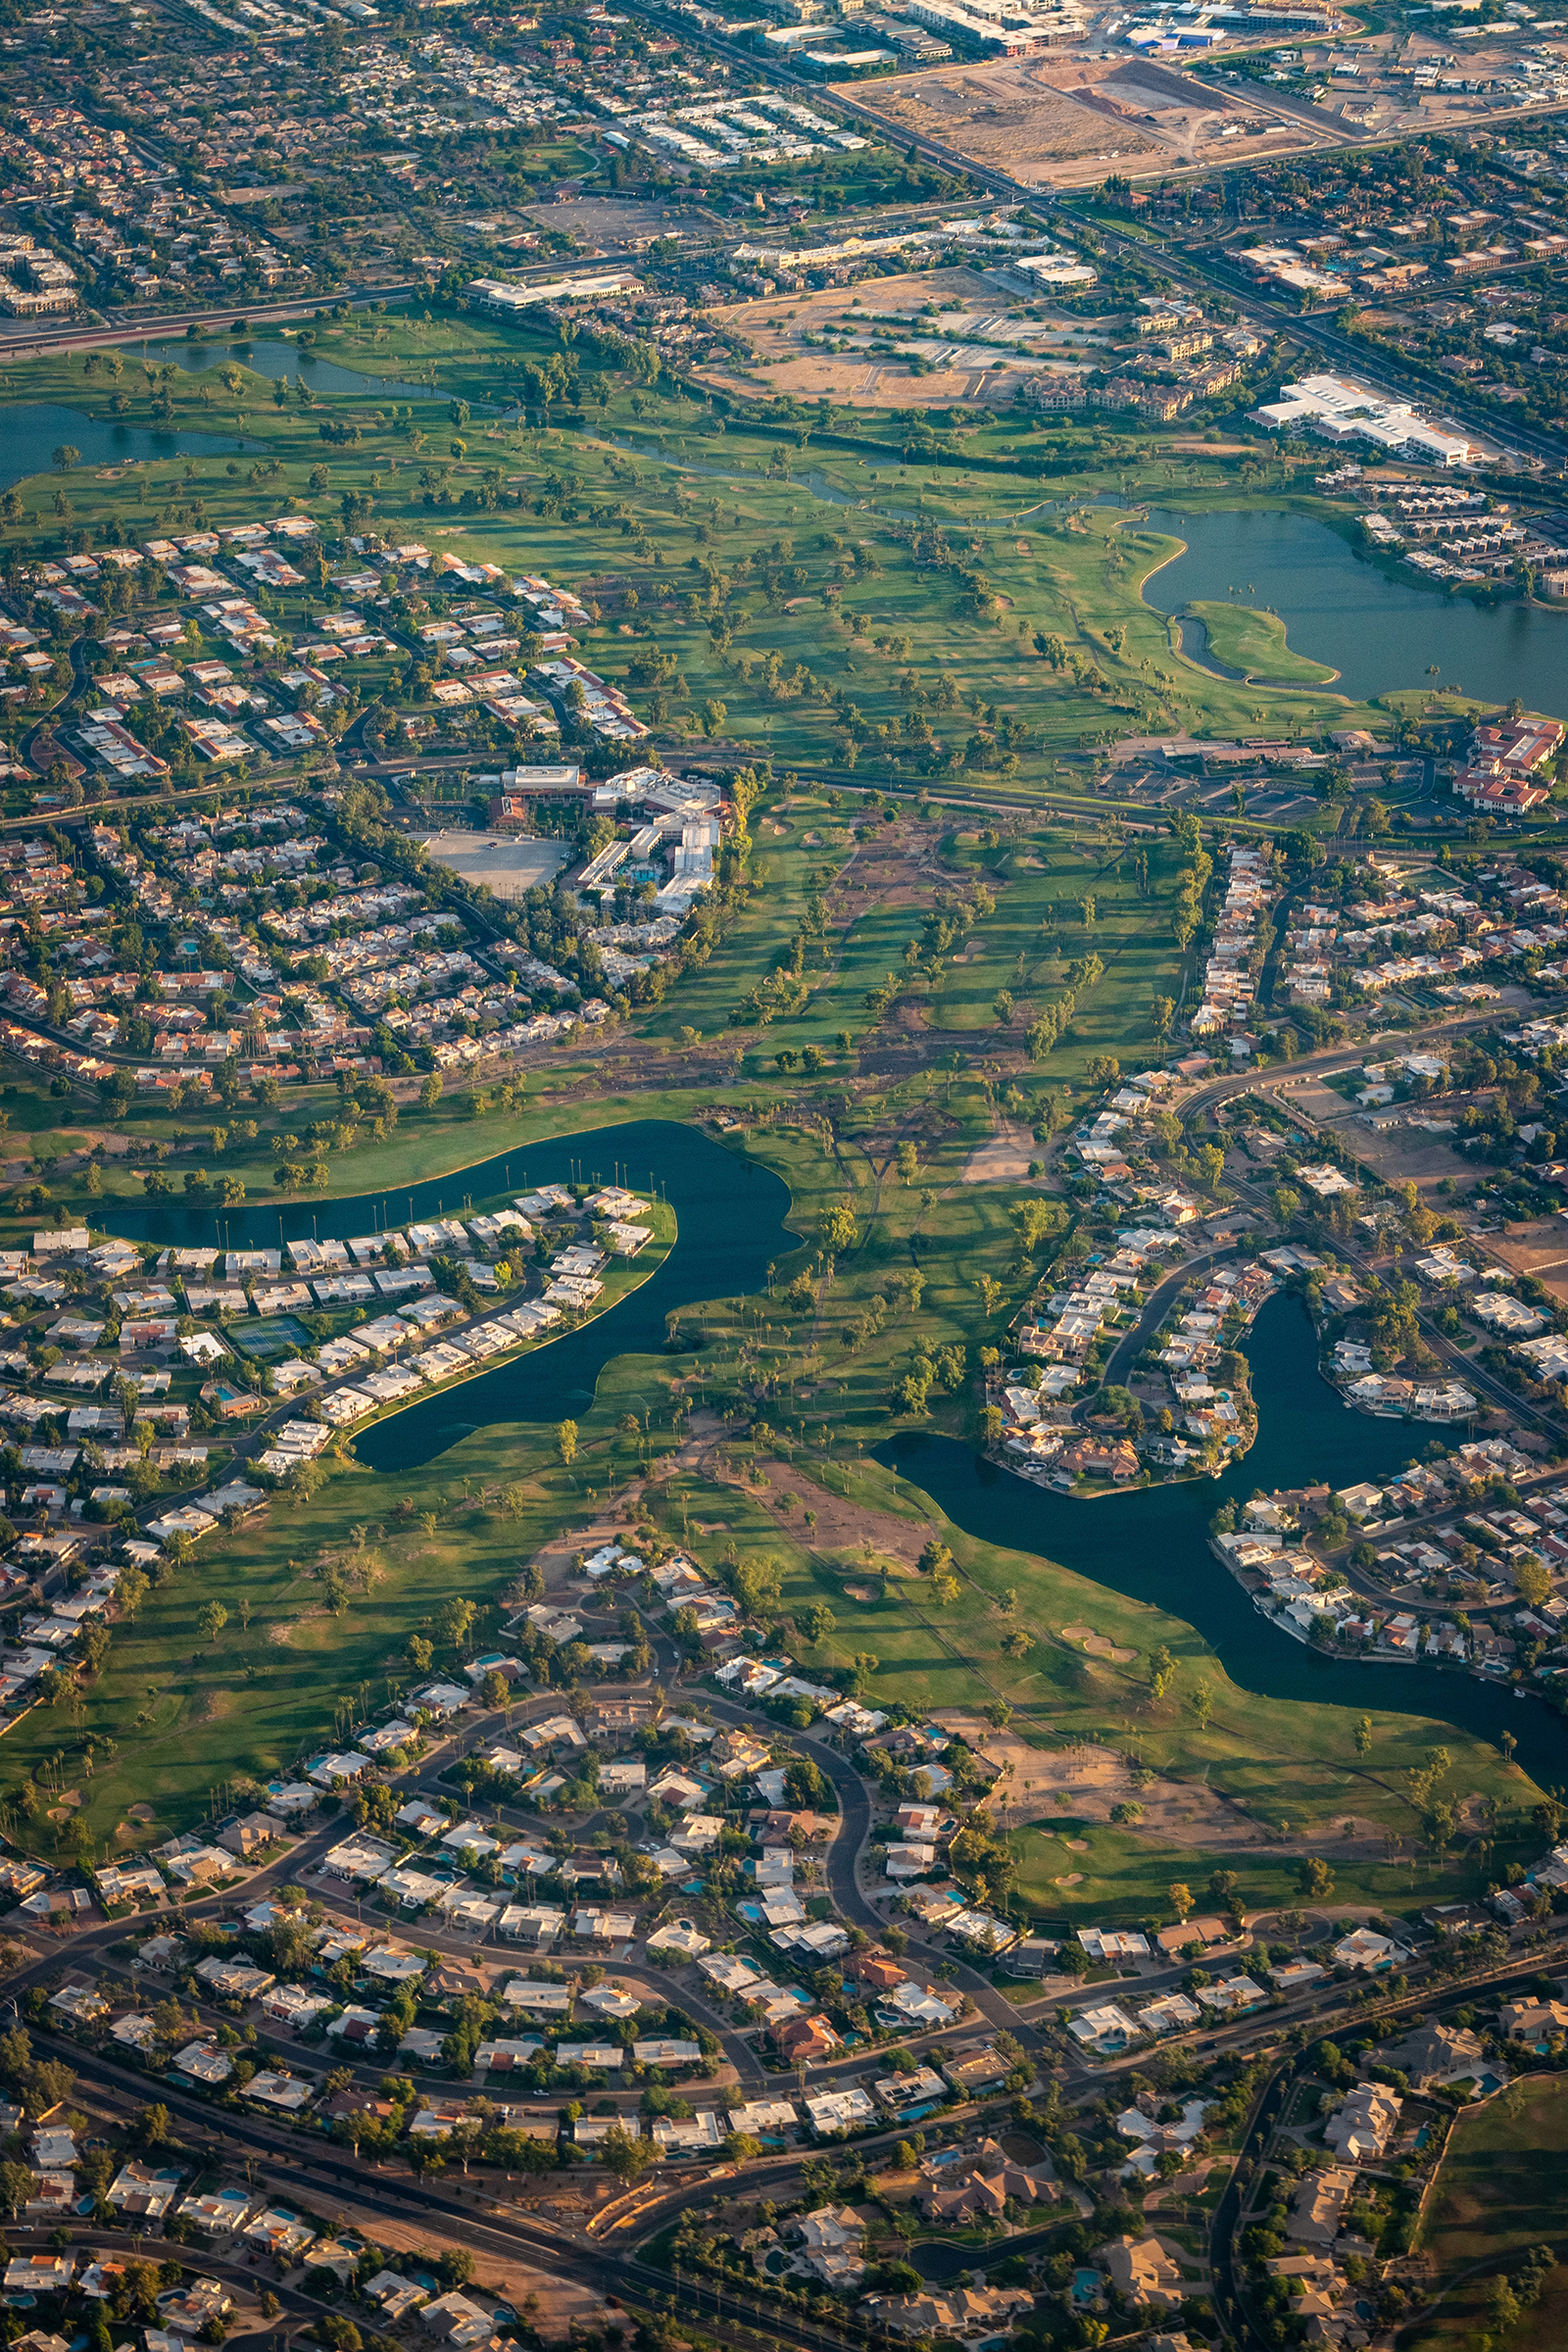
<point x="1318" y="2210"/>
<point x="1143" y="2270"/>
<point x="980" y="2186"/>
<point x="1363" y="2124"/>
<point x="969" y="2315"/>
<point x="805" y="2041"/>
<point x="1531" y="2020"/>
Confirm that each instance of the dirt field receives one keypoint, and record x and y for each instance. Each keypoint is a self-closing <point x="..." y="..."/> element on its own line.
<point x="1085" y="1784"/>
<point x="1006" y="1158"/>
<point x="968" y="365"/>
<point x="559" y="2308"/>
<point x="1541" y="1250"/>
<point x="1059" y="121"/>
<point x="1010" y="116"/>
<point x="842" y="1527"/>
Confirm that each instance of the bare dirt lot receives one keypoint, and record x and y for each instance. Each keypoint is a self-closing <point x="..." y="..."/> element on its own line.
<point x="1059" y="121"/>
<point x="1541" y="1250"/>
<point x="1006" y="1158"/>
<point x="843" y="1527"/>
<point x="1010" y="115"/>
<point x="964" y="369"/>
<point x="1083" y="1784"/>
<point x="900" y="866"/>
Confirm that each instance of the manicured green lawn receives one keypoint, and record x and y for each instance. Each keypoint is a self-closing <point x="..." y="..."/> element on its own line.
<point x="1126" y="1875"/>
<point x="171" y="1717"/>
<point x="1073" y="578"/>
<point x="1255" y="644"/>
<point x="1056" y="902"/>
<point x="1502" y="2188"/>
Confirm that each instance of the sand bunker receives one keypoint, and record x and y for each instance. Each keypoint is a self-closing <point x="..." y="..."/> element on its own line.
<point x="1074" y="1877"/>
<point x="1008" y="1157"/>
<point x="1097" y="1645"/>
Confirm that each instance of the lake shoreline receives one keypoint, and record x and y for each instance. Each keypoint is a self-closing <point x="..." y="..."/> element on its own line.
<point x="1350" y="611"/>
<point x="1156" y="1549"/>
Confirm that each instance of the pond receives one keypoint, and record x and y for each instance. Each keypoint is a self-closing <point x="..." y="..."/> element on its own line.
<point x="729" y="1213"/>
<point x="1153" y="1545"/>
<point x="36" y="428"/>
<point x="1340" y="608"/>
<point x="280" y="362"/>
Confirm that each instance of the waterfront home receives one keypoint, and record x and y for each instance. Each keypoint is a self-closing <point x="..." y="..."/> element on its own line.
<point x="979" y="2187"/>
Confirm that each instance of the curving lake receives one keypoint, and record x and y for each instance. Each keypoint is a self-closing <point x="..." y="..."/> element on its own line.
<point x="1153" y="1545"/>
<point x="729" y="1211"/>
<point x="1339" y="606"/>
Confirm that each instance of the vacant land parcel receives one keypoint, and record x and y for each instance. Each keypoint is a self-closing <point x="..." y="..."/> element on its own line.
<point x="965" y="339"/>
<point x="1057" y="122"/>
<point x="1011" y="117"/>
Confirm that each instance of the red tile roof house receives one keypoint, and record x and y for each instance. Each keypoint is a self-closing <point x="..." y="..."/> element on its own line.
<point x="801" y="2039"/>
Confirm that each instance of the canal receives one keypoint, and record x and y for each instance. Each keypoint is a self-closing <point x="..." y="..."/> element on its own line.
<point x="729" y="1211"/>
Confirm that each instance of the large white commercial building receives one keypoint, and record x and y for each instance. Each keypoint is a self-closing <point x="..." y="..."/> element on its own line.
<point x="1338" y="410"/>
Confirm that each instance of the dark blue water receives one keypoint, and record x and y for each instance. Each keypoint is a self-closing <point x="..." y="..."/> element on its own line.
<point x="1379" y="632"/>
<point x="36" y="428"/>
<point x="730" y="1214"/>
<point x="1153" y="1545"/>
<point x="634" y="1155"/>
